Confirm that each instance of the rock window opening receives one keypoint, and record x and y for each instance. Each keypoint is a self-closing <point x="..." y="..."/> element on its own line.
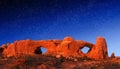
<point x="43" y="50"/>
<point x="85" y="50"/>
<point x="40" y="50"/>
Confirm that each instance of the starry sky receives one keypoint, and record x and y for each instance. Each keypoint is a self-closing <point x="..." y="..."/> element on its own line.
<point x="55" y="19"/>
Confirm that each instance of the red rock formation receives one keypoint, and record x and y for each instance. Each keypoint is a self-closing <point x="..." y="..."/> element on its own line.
<point x="66" y="47"/>
<point x="28" y="47"/>
<point x="99" y="50"/>
<point x="112" y="55"/>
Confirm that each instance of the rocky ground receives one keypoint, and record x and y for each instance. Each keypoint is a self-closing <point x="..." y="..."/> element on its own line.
<point x="49" y="62"/>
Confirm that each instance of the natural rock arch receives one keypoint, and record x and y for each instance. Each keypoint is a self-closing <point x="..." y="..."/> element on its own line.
<point x="66" y="47"/>
<point x="85" y="50"/>
<point x="39" y="50"/>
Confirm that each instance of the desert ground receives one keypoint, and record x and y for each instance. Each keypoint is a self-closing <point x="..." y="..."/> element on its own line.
<point x="50" y="62"/>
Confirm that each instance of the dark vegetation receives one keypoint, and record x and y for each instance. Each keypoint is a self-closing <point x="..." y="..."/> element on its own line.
<point x="48" y="62"/>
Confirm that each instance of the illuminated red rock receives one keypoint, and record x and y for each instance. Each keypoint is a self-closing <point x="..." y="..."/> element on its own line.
<point x="99" y="50"/>
<point x="70" y="47"/>
<point x="67" y="47"/>
<point x="28" y="47"/>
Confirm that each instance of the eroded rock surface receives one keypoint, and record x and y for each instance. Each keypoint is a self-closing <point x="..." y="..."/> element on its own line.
<point x="112" y="55"/>
<point x="99" y="50"/>
<point x="66" y="47"/>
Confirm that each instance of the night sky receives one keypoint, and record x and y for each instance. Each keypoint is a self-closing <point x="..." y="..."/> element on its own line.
<point x="55" y="19"/>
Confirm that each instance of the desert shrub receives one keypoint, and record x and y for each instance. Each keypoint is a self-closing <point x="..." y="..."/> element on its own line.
<point x="100" y="67"/>
<point x="115" y="64"/>
<point x="119" y="63"/>
<point x="61" y="59"/>
<point x="85" y="58"/>
<point x="30" y="61"/>
<point x="15" y="67"/>
<point x="97" y="67"/>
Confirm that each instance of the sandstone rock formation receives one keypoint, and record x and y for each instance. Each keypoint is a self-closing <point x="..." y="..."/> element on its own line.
<point x="112" y="55"/>
<point x="66" y="47"/>
<point x="99" y="50"/>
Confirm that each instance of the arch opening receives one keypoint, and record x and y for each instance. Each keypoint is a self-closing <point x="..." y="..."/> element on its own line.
<point x="40" y="50"/>
<point x="44" y="50"/>
<point x="85" y="49"/>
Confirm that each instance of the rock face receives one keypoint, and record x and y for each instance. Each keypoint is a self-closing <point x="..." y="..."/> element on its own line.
<point x="112" y="55"/>
<point x="99" y="50"/>
<point x="66" y="48"/>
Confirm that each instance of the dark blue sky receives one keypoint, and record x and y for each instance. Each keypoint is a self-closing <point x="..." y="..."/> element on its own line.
<point x="55" y="19"/>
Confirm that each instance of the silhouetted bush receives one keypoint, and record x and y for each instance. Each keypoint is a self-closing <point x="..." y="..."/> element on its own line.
<point x="15" y="67"/>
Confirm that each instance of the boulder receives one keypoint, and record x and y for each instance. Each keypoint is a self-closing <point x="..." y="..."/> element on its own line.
<point x="112" y="55"/>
